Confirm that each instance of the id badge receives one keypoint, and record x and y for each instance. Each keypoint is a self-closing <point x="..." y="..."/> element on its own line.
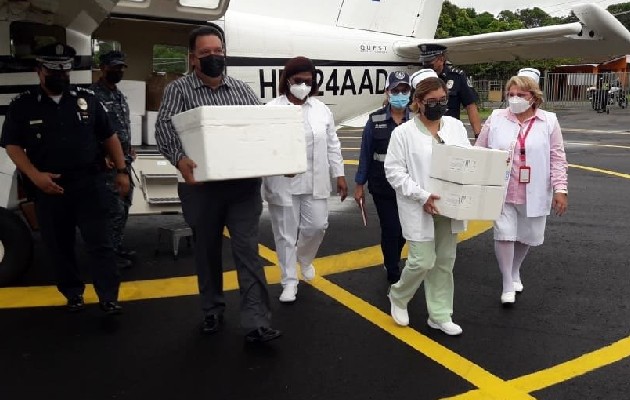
<point x="523" y="174"/>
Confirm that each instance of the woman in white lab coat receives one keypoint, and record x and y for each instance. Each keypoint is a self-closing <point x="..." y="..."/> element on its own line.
<point x="298" y="205"/>
<point x="538" y="176"/>
<point x="432" y="238"/>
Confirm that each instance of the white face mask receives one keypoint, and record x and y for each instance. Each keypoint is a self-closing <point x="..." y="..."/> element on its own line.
<point x="300" y="91"/>
<point x="518" y="105"/>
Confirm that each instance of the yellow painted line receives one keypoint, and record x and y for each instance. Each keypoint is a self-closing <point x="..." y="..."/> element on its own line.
<point x="351" y="162"/>
<point x="601" y="171"/>
<point x="614" y="146"/>
<point x="488" y="383"/>
<point x="45" y="296"/>
<point x="563" y="372"/>
<point x="350" y="148"/>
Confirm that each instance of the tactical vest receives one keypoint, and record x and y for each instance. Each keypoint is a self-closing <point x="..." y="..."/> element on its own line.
<point x="381" y="133"/>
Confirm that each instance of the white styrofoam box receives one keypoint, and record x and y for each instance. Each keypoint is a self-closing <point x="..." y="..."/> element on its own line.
<point x="6" y="164"/>
<point x="136" y="129"/>
<point x="467" y="202"/>
<point x="148" y="128"/>
<point x="469" y="165"/>
<point x="232" y="142"/>
<point x="136" y="92"/>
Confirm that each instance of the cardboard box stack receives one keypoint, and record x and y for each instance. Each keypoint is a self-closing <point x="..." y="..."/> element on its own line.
<point x="231" y="142"/>
<point x="470" y="181"/>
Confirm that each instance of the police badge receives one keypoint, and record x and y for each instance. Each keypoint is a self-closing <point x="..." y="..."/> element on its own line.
<point x="449" y="84"/>
<point x="82" y="103"/>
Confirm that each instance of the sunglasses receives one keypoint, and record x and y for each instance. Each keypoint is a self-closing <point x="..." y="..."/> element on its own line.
<point x="434" y="102"/>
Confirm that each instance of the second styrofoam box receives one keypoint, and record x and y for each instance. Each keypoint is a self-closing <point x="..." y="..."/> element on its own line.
<point x="148" y="128"/>
<point x="467" y="202"/>
<point x="231" y="142"/>
<point x="136" y="129"/>
<point x="136" y="93"/>
<point x="469" y="165"/>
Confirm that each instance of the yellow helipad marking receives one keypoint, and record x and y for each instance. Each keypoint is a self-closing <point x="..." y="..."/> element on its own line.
<point x="45" y="296"/>
<point x="601" y="171"/>
<point x="466" y="369"/>
<point x="614" y="146"/>
<point x="563" y="372"/>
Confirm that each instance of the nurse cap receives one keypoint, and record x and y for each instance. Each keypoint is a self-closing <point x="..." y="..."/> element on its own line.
<point x="530" y="73"/>
<point x="421" y="75"/>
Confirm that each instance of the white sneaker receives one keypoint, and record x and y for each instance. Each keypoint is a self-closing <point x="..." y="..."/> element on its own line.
<point x="308" y="273"/>
<point x="450" y="328"/>
<point x="518" y="287"/>
<point x="508" y="297"/>
<point x="400" y="315"/>
<point x="289" y="293"/>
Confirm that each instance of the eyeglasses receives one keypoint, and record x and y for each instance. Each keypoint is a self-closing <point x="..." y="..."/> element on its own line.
<point x="399" y="91"/>
<point x="299" y="81"/>
<point x="434" y="102"/>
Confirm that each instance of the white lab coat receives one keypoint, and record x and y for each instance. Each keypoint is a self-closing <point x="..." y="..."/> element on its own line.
<point x="323" y="152"/>
<point x="407" y="167"/>
<point x="504" y="132"/>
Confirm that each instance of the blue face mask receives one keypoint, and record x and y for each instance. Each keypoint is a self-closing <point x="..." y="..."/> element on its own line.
<point x="399" y="100"/>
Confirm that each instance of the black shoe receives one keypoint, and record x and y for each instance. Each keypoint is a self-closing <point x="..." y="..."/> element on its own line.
<point x="262" y="335"/>
<point x="111" y="307"/>
<point x="126" y="253"/>
<point x="211" y="324"/>
<point x="75" y="303"/>
<point x="123" y="263"/>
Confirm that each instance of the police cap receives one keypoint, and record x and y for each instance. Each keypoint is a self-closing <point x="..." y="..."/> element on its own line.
<point x="396" y="78"/>
<point x="429" y="51"/>
<point x="56" y="56"/>
<point x="113" y="58"/>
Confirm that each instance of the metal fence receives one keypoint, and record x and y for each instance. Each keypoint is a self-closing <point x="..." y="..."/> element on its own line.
<point x="599" y="92"/>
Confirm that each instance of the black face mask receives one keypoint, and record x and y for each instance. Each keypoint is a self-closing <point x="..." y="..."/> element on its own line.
<point x="56" y="84"/>
<point x="436" y="112"/>
<point x="113" y="77"/>
<point x="212" y="65"/>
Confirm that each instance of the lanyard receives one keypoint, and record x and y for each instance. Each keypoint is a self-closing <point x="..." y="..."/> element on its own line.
<point x="523" y="137"/>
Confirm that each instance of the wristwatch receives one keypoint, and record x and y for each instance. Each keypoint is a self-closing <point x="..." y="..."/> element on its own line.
<point x="122" y="171"/>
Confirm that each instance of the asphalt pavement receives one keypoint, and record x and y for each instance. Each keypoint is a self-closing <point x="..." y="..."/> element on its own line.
<point x="566" y="338"/>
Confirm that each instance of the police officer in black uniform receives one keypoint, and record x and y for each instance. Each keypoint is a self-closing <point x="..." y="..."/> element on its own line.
<point x="55" y="134"/>
<point x="376" y="135"/>
<point x="460" y="91"/>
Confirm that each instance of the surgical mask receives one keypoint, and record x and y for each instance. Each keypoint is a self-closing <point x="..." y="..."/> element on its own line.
<point x="399" y="100"/>
<point x="56" y="84"/>
<point x="436" y="112"/>
<point x="113" y="77"/>
<point x="212" y="65"/>
<point x="300" y="91"/>
<point x="518" y="105"/>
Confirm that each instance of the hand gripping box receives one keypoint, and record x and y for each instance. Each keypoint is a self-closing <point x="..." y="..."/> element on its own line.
<point x="232" y="142"/>
<point x="467" y="202"/>
<point x="469" y="165"/>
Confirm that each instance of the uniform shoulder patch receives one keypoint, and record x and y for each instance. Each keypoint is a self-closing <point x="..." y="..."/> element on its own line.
<point x="458" y="71"/>
<point x="22" y="96"/>
<point x="85" y="90"/>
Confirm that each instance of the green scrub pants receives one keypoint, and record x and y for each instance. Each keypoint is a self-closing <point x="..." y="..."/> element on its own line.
<point x="431" y="262"/>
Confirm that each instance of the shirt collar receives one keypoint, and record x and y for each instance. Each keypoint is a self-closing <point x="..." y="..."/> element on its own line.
<point x="198" y="83"/>
<point x="388" y="112"/>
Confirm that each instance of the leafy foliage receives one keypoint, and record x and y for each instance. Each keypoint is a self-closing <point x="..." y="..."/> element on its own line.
<point x="455" y="21"/>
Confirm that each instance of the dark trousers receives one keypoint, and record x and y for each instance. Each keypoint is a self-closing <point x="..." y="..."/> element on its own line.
<point x="119" y="211"/>
<point x="84" y="204"/>
<point x="392" y="240"/>
<point x="208" y="208"/>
